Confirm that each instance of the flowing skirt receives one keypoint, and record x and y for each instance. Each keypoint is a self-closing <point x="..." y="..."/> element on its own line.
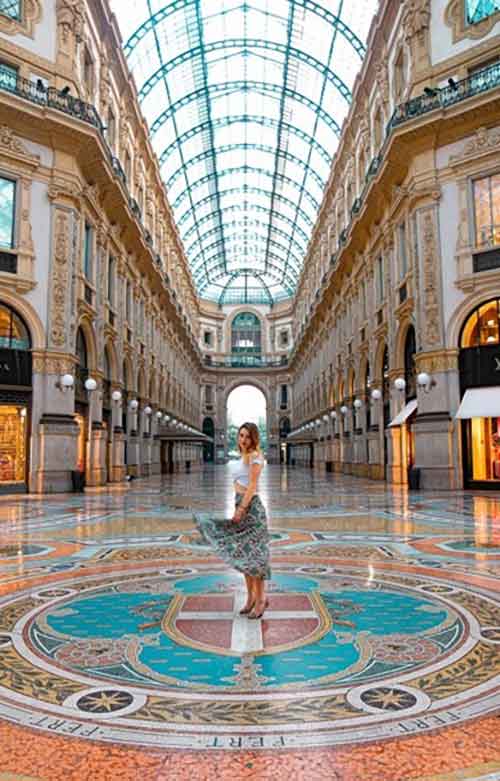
<point x="243" y="545"/>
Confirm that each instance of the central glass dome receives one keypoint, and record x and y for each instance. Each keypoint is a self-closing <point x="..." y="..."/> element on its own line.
<point x="245" y="102"/>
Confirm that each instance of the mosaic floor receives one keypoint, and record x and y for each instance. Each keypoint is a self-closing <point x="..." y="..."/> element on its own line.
<point x="123" y="654"/>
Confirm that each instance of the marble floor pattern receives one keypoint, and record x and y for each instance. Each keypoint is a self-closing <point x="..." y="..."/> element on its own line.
<point x="123" y="655"/>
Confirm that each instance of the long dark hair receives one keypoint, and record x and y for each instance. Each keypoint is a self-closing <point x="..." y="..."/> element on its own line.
<point x="254" y="434"/>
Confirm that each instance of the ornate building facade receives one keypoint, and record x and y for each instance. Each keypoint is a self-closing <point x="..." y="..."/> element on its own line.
<point x="111" y="364"/>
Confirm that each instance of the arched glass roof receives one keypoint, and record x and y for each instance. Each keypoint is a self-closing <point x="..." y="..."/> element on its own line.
<point x="245" y="101"/>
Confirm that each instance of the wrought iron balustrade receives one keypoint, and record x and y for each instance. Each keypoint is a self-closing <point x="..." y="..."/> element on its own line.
<point x="456" y="91"/>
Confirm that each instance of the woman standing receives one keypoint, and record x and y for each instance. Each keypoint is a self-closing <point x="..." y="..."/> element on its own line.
<point x="243" y="540"/>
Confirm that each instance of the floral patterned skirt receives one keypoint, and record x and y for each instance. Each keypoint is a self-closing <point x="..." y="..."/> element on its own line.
<point x="243" y="545"/>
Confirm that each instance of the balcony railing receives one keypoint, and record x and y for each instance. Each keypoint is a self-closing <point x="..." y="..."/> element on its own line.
<point x="456" y="91"/>
<point x="246" y="362"/>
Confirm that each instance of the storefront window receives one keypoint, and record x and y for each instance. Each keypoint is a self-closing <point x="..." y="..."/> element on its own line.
<point x="410" y="374"/>
<point x="487" y="211"/>
<point x="12" y="444"/>
<point x="485" y="436"/>
<point x="483" y="326"/>
<point x="13" y="333"/>
<point x="7" y="212"/>
<point x="477" y="10"/>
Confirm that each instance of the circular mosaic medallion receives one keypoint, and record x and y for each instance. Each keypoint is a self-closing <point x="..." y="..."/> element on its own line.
<point x="155" y="656"/>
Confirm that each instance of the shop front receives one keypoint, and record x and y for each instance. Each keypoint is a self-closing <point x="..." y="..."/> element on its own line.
<point x="479" y="411"/>
<point x="15" y="400"/>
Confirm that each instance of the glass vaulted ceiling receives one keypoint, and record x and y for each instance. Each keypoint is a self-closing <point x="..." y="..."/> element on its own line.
<point x="245" y="101"/>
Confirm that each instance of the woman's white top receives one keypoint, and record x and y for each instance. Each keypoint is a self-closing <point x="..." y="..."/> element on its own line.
<point x="241" y="472"/>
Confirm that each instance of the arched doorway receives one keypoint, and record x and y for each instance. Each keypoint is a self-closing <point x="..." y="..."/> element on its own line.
<point x="15" y="405"/>
<point x="209" y="447"/>
<point x="245" y="403"/>
<point x="82" y="411"/>
<point x="285" y="428"/>
<point x="479" y="366"/>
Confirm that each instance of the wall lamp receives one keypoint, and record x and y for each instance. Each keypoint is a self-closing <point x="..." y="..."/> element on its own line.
<point x="425" y="381"/>
<point x="376" y="394"/>
<point x="134" y="404"/>
<point x="90" y="385"/>
<point x="65" y="383"/>
<point x="344" y="410"/>
<point x="116" y="396"/>
<point x="358" y="404"/>
<point x="400" y="384"/>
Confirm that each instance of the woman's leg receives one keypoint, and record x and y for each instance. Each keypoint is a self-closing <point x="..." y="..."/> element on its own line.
<point x="250" y="594"/>
<point x="260" y="603"/>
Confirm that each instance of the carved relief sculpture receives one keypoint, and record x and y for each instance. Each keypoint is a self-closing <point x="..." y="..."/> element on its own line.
<point x="60" y="278"/>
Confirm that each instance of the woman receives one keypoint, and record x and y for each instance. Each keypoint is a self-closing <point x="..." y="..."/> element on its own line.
<point x="243" y="540"/>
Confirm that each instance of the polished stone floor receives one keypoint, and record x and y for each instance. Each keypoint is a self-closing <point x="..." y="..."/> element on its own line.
<point x="123" y="655"/>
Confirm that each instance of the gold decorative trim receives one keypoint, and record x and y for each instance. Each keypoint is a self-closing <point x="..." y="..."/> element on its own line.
<point x="52" y="363"/>
<point x="454" y="17"/>
<point x="437" y="361"/>
<point x="31" y="16"/>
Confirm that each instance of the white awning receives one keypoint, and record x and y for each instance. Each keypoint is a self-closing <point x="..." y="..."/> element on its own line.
<point x="480" y="403"/>
<point x="405" y="413"/>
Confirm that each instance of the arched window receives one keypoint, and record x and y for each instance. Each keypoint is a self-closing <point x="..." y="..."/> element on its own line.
<point x="386" y="388"/>
<point x="482" y="327"/>
<point x="14" y="334"/>
<point x="410" y="375"/>
<point x="82" y="371"/>
<point x="368" y="385"/>
<point x="246" y="338"/>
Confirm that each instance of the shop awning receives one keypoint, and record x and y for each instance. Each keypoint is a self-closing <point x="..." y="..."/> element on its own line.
<point x="405" y="413"/>
<point x="480" y="403"/>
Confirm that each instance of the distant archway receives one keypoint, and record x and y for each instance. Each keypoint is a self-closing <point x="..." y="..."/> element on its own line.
<point x="245" y="402"/>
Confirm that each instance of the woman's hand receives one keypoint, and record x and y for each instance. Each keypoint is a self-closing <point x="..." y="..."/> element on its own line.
<point x="238" y="514"/>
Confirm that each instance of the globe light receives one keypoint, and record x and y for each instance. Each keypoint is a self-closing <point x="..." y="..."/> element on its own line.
<point x="400" y="383"/>
<point x="358" y="403"/>
<point x="134" y="404"/>
<point x="148" y="410"/>
<point x="344" y="410"/>
<point x="376" y="394"/>
<point x="116" y="396"/>
<point x="423" y="379"/>
<point x="333" y="414"/>
<point x="159" y="414"/>
<point x="67" y="381"/>
<point x="325" y="418"/>
<point x="90" y="385"/>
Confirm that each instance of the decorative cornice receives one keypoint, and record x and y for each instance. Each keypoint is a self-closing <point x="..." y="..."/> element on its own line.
<point x="484" y="141"/>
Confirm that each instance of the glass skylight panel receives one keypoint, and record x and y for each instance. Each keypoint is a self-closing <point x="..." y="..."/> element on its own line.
<point x="244" y="165"/>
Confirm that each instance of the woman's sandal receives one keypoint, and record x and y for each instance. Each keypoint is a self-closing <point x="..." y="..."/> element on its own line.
<point x="245" y="610"/>
<point x="252" y="614"/>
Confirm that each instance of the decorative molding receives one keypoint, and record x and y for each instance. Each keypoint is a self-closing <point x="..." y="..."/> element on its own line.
<point x="454" y="17"/>
<point x="70" y="19"/>
<point x="31" y="16"/>
<point x="431" y="308"/>
<point x="437" y="361"/>
<point x="12" y="147"/>
<point x="416" y="18"/>
<point x="52" y="363"/>
<point x="483" y="141"/>
<point x="60" y="278"/>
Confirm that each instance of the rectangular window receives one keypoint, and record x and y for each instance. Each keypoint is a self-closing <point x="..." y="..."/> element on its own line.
<point x="284" y="396"/>
<point x="403" y="257"/>
<point x="7" y="212"/>
<point x="128" y="303"/>
<point x="207" y="338"/>
<point x="11" y="8"/>
<point x="111" y="129"/>
<point x="284" y="338"/>
<point x="477" y="10"/>
<point x="111" y="280"/>
<point x="87" y="252"/>
<point x="8" y="77"/>
<point x="208" y="394"/>
<point x="487" y="211"/>
<point x="380" y="280"/>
